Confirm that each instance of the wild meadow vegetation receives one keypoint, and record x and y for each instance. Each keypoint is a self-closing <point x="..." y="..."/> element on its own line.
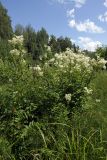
<point x="53" y="99"/>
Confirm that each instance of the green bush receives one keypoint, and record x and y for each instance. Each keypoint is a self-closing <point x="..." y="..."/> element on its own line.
<point x="37" y="103"/>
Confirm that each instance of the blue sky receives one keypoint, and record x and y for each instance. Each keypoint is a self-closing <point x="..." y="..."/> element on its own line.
<point x="84" y="21"/>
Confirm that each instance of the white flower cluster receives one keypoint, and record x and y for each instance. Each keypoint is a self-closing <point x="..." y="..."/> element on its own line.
<point x="70" y="59"/>
<point x="15" y="52"/>
<point x="17" y="44"/>
<point x="102" y="62"/>
<point x="74" y="61"/>
<point x="16" y="40"/>
<point x="37" y="69"/>
<point x="87" y="90"/>
<point x="48" y="48"/>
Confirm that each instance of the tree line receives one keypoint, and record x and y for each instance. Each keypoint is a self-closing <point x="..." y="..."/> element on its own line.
<point x="36" y="42"/>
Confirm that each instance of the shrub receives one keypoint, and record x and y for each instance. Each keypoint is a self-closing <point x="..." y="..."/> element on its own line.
<point x="37" y="102"/>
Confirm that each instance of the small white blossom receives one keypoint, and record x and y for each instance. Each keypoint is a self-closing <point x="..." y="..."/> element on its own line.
<point x="31" y="68"/>
<point x="52" y="60"/>
<point x="10" y="80"/>
<point x="88" y="91"/>
<point x="49" y="48"/>
<point x="104" y="67"/>
<point x="40" y="57"/>
<point x="98" y="100"/>
<point x="61" y="66"/>
<point x="23" y="61"/>
<point x="102" y="62"/>
<point x="40" y="73"/>
<point x="56" y="55"/>
<point x="15" y="52"/>
<point x="23" y="51"/>
<point x="68" y="97"/>
<point x="37" y="69"/>
<point x="46" y="65"/>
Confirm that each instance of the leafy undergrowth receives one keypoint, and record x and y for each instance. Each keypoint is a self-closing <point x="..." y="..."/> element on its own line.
<point x="51" y="111"/>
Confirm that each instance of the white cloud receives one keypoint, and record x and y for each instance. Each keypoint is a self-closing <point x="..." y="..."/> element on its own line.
<point x="103" y="17"/>
<point x="79" y="3"/>
<point x="71" y="13"/>
<point x="62" y="1"/>
<point x="88" y="44"/>
<point x="86" y="26"/>
<point x="72" y="40"/>
<point x="105" y="3"/>
<point x="59" y="1"/>
<point x="72" y="23"/>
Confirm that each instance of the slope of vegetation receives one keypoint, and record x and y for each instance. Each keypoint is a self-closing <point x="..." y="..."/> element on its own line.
<point x="52" y="97"/>
<point x="47" y="110"/>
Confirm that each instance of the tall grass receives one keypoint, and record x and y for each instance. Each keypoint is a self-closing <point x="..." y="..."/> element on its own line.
<point x="67" y="143"/>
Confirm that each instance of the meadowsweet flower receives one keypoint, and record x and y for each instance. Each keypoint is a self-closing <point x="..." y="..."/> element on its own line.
<point x="52" y="60"/>
<point x="37" y="69"/>
<point x="61" y="66"/>
<point x="98" y="100"/>
<point x="31" y="68"/>
<point x="40" y="73"/>
<point x="46" y="65"/>
<point x="68" y="97"/>
<point x="48" y="48"/>
<point x="23" y="51"/>
<point x="56" y="55"/>
<point x="10" y="80"/>
<point x="102" y="62"/>
<point x="72" y="62"/>
<point x="104" y="67"/>
<point x="15" y="52"/>
<point x="23" y="61"/>
<point x="16" y="40"/>
<point x="40" y="57"/>
<point x="88" y="91"/>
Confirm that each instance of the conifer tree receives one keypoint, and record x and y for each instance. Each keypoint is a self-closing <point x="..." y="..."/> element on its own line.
<point x="5" y="24"/>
